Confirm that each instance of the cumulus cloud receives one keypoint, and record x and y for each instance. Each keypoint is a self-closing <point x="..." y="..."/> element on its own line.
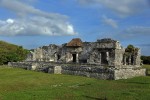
<point x="23" y="9"/>
<point x="32" y="21"/>
<point x="35" y="26"/>
<point x="10" y="21"/>
<point x="110" y="22"/>
<point x="121" y="7"/>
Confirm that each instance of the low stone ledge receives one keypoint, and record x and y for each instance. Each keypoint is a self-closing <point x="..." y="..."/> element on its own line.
<point x="128" y="73"/>
<point x="99" y="72"/>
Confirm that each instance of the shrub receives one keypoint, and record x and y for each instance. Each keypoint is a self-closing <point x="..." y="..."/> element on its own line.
<point x="11" y="53"/>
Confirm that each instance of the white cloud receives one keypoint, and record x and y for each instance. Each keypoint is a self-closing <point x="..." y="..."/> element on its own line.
<point x="32" y="21"/>
<point x="109" y="21"/>
<point x="35" y="26"/>
<point x="121" y="7"/>
<point x="23" y="9"/>
<point x="10" y="21"/>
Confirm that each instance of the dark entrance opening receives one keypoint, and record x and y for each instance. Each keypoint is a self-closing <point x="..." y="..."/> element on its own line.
<point x="132" y="60"/>
<point x="74" y="57"/>
<point x="104" y="58"/>
<point x="58" y="57"/>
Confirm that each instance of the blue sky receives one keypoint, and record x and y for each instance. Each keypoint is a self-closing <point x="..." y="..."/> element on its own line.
<point x="34" y="23"/>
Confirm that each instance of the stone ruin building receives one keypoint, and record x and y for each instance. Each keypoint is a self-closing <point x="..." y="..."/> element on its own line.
<point x="103" y="59"/>
<point x="105" y="52"/>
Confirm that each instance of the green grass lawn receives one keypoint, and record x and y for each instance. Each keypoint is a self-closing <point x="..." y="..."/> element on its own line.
<point x="146" y="66"/>
<point x="20" y="84"/>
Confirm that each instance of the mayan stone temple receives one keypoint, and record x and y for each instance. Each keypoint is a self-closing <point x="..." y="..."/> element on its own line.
<point x="103" y="59"/>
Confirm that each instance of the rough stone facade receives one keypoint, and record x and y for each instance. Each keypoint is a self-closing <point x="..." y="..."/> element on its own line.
<point x="105" y="52"/>
<point x="108" y="58"/>
<point x="92" y="71"/>
<point x="45" y="53"/>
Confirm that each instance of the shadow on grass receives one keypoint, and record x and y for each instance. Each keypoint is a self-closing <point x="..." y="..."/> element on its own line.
<point x="84" y="84"/>
<point x="94" y="98"/>
<point x="138" y="82"/>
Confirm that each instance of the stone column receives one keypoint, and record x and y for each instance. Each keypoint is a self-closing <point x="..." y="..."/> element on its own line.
<point x="107" y="56"/>
<point x="100" y="58"/>
<point x="55" y="59"/>
<point x="125" y="60"/>
<point x="130" y="60"/>
<point x="133" y="63"/>
<point x="47" y="58"/>
<point x="90" y="58"/>
<point x="66" y="57"/>
<point x="33" y="56"/>
<point x="77" y="58"/>
<point x="135" y="60"/>
<point x="41" y="55"/>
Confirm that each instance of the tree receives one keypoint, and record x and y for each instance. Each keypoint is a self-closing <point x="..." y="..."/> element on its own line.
<point x="11" y="53"/>
<point x="146" y="59"/>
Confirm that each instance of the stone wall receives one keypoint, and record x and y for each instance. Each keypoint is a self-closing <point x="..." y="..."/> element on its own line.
<point x="93" y="72"/>
<point x="37" y="66"/>
<point x="24" y="65"/>
<point x="118" y="57"/>
<point x="125" y="73"/>
<point x="44" y="53"/>
<point x="99" y="72"/>
<point x="87" y="48"/>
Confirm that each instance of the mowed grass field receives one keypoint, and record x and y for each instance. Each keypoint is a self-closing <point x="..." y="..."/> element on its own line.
<point x="20" y="84"/>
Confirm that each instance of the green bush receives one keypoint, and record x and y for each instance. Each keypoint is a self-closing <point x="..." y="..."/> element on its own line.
<point x="146" y="59"/>
<point x="11" y="53"/>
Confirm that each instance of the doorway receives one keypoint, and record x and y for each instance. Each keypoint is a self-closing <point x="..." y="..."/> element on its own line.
<point x="74" y="57"/>
<point x="58" y="57"/>
<point x="104" y="58"/>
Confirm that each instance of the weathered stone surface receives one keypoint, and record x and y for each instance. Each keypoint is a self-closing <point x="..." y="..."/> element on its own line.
<point x="106" y="52"/>
<point x="20" y="65"/>
<point x="45" y="53"/>
<point x="108" y="58"/>
<point x="98" y="72"/>
<point x="57" y="69"/>
<point x="94" y="72"/>
<point x="125" y="73"/>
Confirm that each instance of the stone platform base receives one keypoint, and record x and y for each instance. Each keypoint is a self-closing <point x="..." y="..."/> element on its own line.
<point x="128" y="73"/>
<point x="99" y="72"/>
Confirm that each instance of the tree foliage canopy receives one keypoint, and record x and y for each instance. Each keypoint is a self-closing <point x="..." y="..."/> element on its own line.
<point x="131" y="50"/>
<point x="11" y="53"/>
<point x="146" y="59"/>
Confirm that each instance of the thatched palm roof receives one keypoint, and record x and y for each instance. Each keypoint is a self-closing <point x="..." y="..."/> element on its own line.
<point x="76" y="42"/>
